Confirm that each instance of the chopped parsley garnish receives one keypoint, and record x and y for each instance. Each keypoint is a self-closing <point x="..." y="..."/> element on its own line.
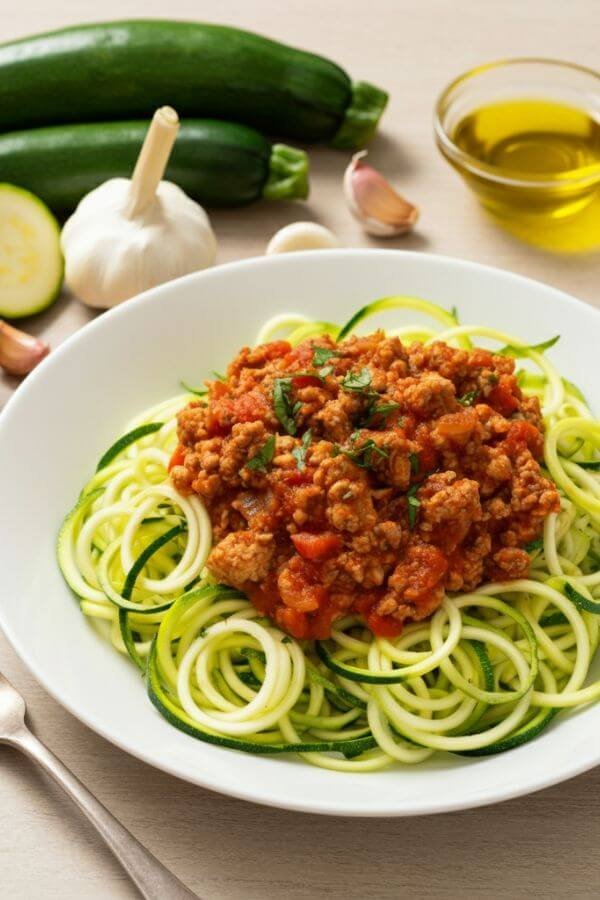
<point x="299" y="453"/>
<point x="520" y="352"/>
<point x="285" y="409"/>
<point x="316" y="375"/>
<point x="413" y="505"/>
<point x="414" y="463"/>
<point x="322" y="355"/>
<point x="362" y="456"/>
<point x="261" y="460"/>
<point x="382" y="409"/>
<point x="534" y="545"/>
<point x="468" y="399"/>
<point x="286" y="640"/>
<point x="358" y="382"/>
<point x="218" y="376"/>
<point x="199" y="391"/>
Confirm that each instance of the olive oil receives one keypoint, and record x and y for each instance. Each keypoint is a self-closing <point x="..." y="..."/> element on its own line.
<point x="540" y="167"/>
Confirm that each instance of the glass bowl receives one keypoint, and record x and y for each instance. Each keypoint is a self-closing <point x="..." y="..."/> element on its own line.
<point x="515" y="193"/>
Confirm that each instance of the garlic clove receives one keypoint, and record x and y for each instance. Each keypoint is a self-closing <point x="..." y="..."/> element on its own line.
<point x="302" y="236"/>
<point x="20" y="352"/>
<point x="374" y="202"/>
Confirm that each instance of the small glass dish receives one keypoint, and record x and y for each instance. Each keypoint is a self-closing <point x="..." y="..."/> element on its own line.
<point x="519" y="195"/>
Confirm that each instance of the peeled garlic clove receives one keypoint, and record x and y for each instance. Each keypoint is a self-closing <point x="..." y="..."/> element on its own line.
<point x="374" y="202"/>
<point x="20" y="352"/>
<point x="302" y="236"/>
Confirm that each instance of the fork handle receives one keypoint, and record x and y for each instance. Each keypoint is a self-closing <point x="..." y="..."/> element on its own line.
<point x="153" y="880"/>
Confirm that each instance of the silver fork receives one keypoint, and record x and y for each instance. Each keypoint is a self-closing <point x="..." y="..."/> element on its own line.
<point x="153" y="880"/>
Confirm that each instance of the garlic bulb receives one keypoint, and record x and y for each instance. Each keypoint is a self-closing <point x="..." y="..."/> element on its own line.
<point x="302" y="236"/>
<point x="20" y="352"/>
<point x="374" y="202"/>
<point x="129" y="235"/>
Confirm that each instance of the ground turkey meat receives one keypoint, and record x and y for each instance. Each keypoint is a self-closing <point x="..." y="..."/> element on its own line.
<point x="364" y="477"/>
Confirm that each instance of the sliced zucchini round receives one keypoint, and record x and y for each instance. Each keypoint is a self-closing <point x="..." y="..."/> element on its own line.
<point x="31" y="263"/>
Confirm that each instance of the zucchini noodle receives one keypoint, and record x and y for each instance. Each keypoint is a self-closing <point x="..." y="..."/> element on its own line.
<point x="488" y="672"/>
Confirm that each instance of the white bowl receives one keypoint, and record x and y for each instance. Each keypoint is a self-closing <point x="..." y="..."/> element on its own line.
<point x="72" y="407"/>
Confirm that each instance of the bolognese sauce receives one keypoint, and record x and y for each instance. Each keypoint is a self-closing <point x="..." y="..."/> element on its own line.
<point x="364" y="477"/>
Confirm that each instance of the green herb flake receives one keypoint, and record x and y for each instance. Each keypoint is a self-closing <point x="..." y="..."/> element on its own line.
<point x="322" y="355"/>
<point x="381" y="409"/>
<point x="520" y="352"/>
<point x="414" y="463"/>
<point x="358" y="382"/>
<point x="218" y="376"/>
<point x="413" y="505"/>
<point x="468" y="399"/>
<point x="198" y="391"/>
<point x="286" y="640"/>
<point x="263" y="459"/>
<point x="493" y="378"/>
<point x="532" y="546"/>
<point x="316" y="375"/>
<point x="299" y="453"/>
<point x="362" y="456"/>
<point x="325" y="371"/>
<point x="285" y="409"/>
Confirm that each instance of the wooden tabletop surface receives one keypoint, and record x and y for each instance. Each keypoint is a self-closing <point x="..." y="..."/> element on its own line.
<point x="545" y="845"/>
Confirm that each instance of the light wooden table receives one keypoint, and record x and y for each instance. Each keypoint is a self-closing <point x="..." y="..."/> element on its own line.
<point x="545" y="845"/>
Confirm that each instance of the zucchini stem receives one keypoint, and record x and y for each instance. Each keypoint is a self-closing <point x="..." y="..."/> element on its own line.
<point x="287" y="178"/>
<point x="360" y="120"/>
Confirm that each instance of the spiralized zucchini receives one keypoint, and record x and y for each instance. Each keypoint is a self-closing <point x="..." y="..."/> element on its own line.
<point x="488" y="672"/>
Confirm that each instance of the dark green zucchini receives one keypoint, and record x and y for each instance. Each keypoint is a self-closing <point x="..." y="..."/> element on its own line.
<point x="125" y="70"/>
<point x="216" y="163"/>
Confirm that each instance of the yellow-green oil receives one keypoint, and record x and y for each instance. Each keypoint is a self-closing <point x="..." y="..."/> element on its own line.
<point x="541" y="170"/>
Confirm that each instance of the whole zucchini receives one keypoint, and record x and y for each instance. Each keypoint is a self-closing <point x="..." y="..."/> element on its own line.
<point x="216" y="163"/>
<point x="125" y="70"/>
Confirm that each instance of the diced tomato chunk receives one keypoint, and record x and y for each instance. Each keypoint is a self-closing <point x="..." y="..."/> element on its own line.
<point x="177" y="457"/>
<point x="383" y="626"/>
<point x="301" y="381"/>
<point x="295" y="477"/>
<point x="250" y="407"/>
<point x="275" y="349"/>
<point x="300" y="585"/>
<point x="316" y="546"/>
<point x="292" y="621"/>
<point x="504" y="397"/>
<point x="523" y="434"/>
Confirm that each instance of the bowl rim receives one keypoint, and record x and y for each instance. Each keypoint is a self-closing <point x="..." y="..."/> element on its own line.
<point x="588" y="759"/>
<point x="456" y="155"/>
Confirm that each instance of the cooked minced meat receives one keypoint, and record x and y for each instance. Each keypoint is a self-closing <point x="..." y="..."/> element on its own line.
<point x="376" y="481"/>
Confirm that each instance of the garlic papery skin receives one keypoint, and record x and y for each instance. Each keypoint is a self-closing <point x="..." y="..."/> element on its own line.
<point x="381" y="211"/>
<point x="127" y="236"/>
<point x="20" y="352"/>
<point x="110" y="257"/>
<point x="302" y="236"/>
